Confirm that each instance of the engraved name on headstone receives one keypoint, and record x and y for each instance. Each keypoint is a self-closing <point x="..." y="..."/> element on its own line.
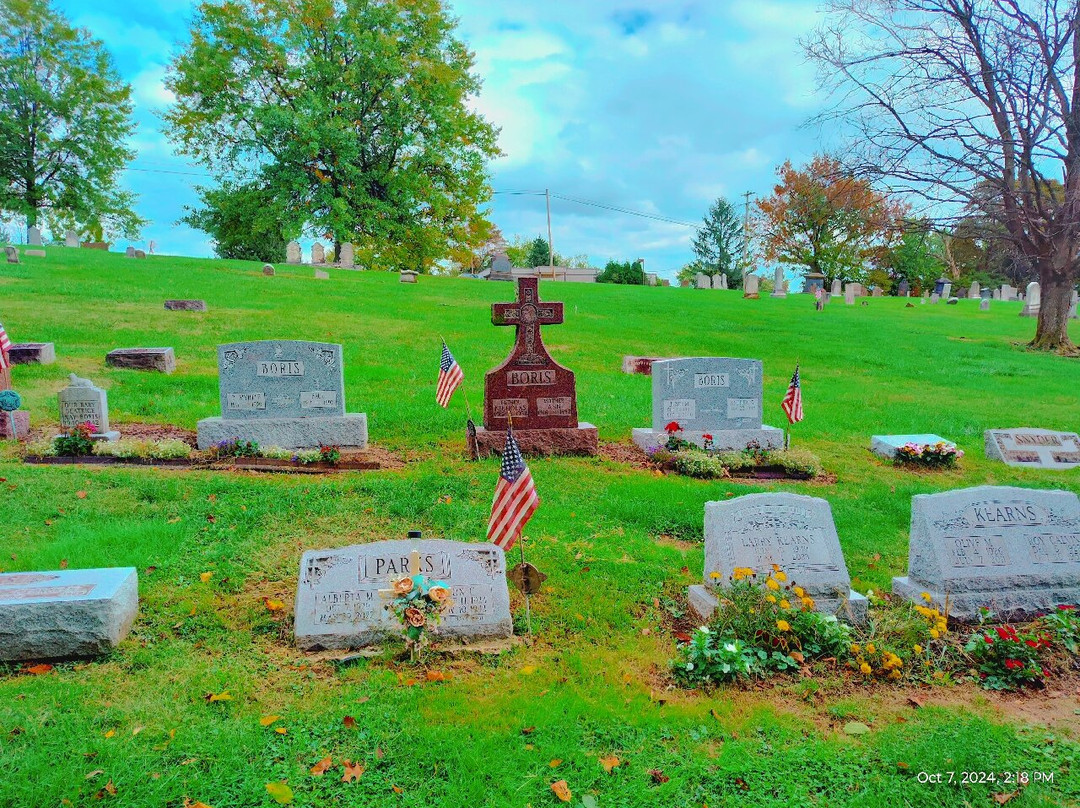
<point x="1039" y="448"/>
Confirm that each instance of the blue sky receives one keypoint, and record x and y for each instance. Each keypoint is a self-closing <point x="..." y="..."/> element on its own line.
<point x="654" y="107"/>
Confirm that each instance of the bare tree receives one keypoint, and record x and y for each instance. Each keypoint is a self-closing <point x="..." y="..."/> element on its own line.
<point x="952" y="99"/>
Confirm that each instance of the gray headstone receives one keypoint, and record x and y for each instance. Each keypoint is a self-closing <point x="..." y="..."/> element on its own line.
<point x="877" y="292"/>
<point x="130" y="252"/>
<point x="33" y="236"/>
<point x="750" y="285"/>
<point x="779" y="288"/>
<point x="407" y="276"/>
<point x="904" y="289"/>
<point x="886" y="446"/>
<point x="318" y="253"/>
<point x="946" y="291"/>
<point x="283" y="393"/>
<point x="500" y="268"/>
<point x="702" y="281"/>
<point x="1032" y="300"/>
<point x="1008" y="292"/>
<point x="185" y="305"/>
<point x="849" y="294"/>
<point x="161" y="360"/>
<point x="709" y="395"/>
<point x="837" y="288"/>
<point x="268" y="270"/>
<point x="952" y="301"/>
<point x="723" y="280"/>
<point x="293" y="255"/>
<point x="794" y="532"/>
<point x="65" y="614"/>
<point x="984" y="305"/>
<point x="71" y="239"/>
<point x="934" y="298"/>
<point x="12" y="255"/>
<point x="81" y="402"/>
<point x="320" y="275"/>
<point x="140" y="254"/>
<point x="347" y="259"/>
<point x="35" y="253"/>
<point x="1037" y="448"/>
<point x="1015" y="551"/>
<point x="974" y="290"/>
<point x="342" y="593"/>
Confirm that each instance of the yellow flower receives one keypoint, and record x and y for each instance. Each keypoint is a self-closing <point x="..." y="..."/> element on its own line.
<point x="917" y="648"/>
<point x="772" y="584"/>
<point x="771" y="598"/>
<point x="808" y="603"/>
<point x="785" y="605"/>
<point x="926" y="596"/>
<point x="783" y="625"/>
<point x="935" y="633"/>
<point x="798" y="590"/>
<point x="776" y="568"/>
<point x="865" y="668"/>
<point x="939" y="674"/>
<point x="855" y="648"/>
<point x="714" y="575"/>
<point x="870" y="648"/>
<point x="780" y="575"/>
<point x="894" y="674"/>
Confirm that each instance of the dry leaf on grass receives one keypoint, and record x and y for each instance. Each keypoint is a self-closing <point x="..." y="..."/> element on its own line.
<point x="319" y="769"/>
<point x="352" y="773"/>
<point x="350" y="722"/>
<point x="610" y="763"/>
<point x="267" y="720"/>
<point x="218" y="696"/>
<point x="562" y="790"/>
<point x="280" y="792"/>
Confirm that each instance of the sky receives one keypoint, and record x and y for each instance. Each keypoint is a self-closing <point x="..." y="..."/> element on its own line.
<point x="654" y="107"/>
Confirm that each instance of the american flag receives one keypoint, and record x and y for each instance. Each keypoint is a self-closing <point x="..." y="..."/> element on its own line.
<point x="515" y="497"/>
<point x="450" y="377"/>
<point x="792" y="403"/>
<point x="5" y="346"/>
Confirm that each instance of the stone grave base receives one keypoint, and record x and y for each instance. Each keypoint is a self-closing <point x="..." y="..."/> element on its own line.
<point x="32" y="353"/>
<point x="852" y="610"/>
<point x="162" y="360"/>
<point x="22" y="424"/>
<point x="347" y="431"/>
<point x="65" y="613"/>
<point x="1014" y="603"/>
<point x="563" y="441"/>
<point x="886" y="446"/>
<point x="768" y="437"/>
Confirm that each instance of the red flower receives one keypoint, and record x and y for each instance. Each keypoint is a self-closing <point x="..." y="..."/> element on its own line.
<point x="1013" y="664"/>
<point x="1067" y="608"/>
<point x="673" y="427"/>
<point x="1045" y="672"/>
<point x="1032" y="643"/>
<point x="1007" y="633"/>
<point x="989" y="639"/>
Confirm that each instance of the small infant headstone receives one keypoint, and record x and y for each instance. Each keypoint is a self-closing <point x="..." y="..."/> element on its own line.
<point x="65" y="614"/>
<point x="162" y="360"/>
<point x="792" y="531"/>
<point x="32" y="353"/>
<point x="35" y="253"/>
<point x="81" y="402"/>
<point x="1034" y="448"/>
<point x="185" y="305"/>
<point x="1015" y="551"/>
<point x="343" y="593"/>
<point x="952" y="301"/>
<point x="320" y="275"/>
<point x="640" y="365"/>
<point x="268" y="270"/>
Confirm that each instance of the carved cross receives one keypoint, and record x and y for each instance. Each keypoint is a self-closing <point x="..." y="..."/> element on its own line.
<point x="527" y="314"/>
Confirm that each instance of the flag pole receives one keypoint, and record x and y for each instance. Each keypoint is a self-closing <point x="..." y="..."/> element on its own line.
<point x="521" y="550"/>
<point x="468" y="413"/>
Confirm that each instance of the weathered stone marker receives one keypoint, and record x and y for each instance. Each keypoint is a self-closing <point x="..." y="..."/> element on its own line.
<point x="34" y="253"/>
<point x="162" y="360"/>
<point x="12" y="255"/>
<point x="65" y="614"/>
<point x="33" y="236"/>
<point x="81" y="402"/>
<point x="268" y="270"/>
<point x="321" y="275"/>
<point x="794" y="532"/>
<point x="408" y="276"/>
<point x="185" y="305"/>
<point x="293" y="254"/>
<point x="1015" y="551"/>
<point x="530" y="387"/>
<point x="717" y="396"/>
<point x="347" y="259"/>
<point x="1038" y="448"/>
<point x="32" y="353"/>
<point x="318" y="253"/>
<point x="71" y="239"/>
<point x="837" y="288"/>
<point x="849" y="294"/>
<point x="1032" y="300"/>
<point x="751" y="284"/>
<point x="342" y="594"/>
<point x="500" y="268"/>
<point x="283" y="393"/>
<point x="779" y="288"/>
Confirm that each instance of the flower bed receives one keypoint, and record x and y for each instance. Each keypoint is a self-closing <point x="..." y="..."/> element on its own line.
<point x="704" y="462"/>
<point x="938" y="455"/>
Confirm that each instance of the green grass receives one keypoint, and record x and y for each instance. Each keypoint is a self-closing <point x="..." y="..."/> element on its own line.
<point x="612" y="539"/>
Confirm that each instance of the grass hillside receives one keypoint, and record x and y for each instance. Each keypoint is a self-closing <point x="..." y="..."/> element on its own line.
<point x="620" y="546"/>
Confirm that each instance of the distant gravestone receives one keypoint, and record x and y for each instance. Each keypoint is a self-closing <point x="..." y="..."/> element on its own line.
<point x="1015" y="551"/>
<point x="984" y="305"/>
<point x="702" y="281"/>
<point x="877" y="292"/>
<point x="1033" y="448"/>
<point x="318" y="253"/>
<point x="130" y="252"/>
<point x="33" y="236"/>
<point x="717" y="396"/>
<point x="723" y="280"/>
<point x="185" y="305"/>
<point x="342" y="594"/>
<point x="837" y="288"/>
<point x="500" y="268"/>
<point x="12" y="255"/>
<point x="140" y="254"/>
<point x="750" y="285"/>
<point x="408" y="276"/>
<point x="794" y="532"/>
<point x="293" y="254"/>
<point x="347" y="260"/>
<point x="71" y="239"/>
<point x="974" y="290"/>
<point x="34" y="253"/>
<point x="887" y="446"/>
<point x="1008" y="293"/>
<point x="934" y="298"/>
<point x="849" y="294"/>
<point x="268" y="270"/>
<point x="32" y="353"/>
<point x="81" y="402"/>
<point x="162" y="360"/>
<point x="1032" y="300"/>
<point x="283" y="393"/>
<point x="904" y="290"/>
<point x="779" y="289"/>
<point x="320" y="275"/>
<point x="952" y="301"/>
<point x="65" y="614"/>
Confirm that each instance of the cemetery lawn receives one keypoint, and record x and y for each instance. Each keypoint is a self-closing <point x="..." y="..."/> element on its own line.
<point x="620" y="545"/>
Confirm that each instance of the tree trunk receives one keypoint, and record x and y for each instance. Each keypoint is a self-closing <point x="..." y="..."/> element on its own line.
<point x="1056" y="281"/>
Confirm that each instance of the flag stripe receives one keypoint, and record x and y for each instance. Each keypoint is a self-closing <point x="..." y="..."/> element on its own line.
<point x="450" y="376"/>
<point x="792" y="403"/>
<point x="515" y="498"/>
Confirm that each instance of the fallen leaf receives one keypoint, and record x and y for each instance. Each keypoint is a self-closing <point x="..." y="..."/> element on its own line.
<point x="915" y="702"/>
<point x="280" y="792"/>
<point x="901" y="765"/>
<point x="267" y="720"/>
<point x="205" y="576"/>
<point x="95" y="773"/>
<point x="682" y="636"/>
<point x="80" y="494"/>
<point x="856" y="728"/>
<point x="742" y="784"/>
<point x="352" y="773"/>
<point x="528" y="730"/>
<point x="218" y="696"/>
<point x="110" y="733"/>
<point x="212" y="498"/>
<point x="108" y="790"/>
<point x="529" y="670"/>
<point x="319" y="769"/>
<point x="137" y="730"/>
<point x="610" y="763"/>
<point x="150" y="571"/>
<point x="398" y="789"/>
<point x="658" y="776"/>
<point x="555" y="763"/>
<point x="350" y="722"/>
<point x="437" y="676"/>
<point x="379" y="753"/>
<point x="281" y="730"/>
<point x="274" y="605"/>
<point x="714" y="714"/>
<point x="38" y="670"/>
<point x="1003" y="798"/>
<point x="63" y="563"/>
<point x="588" y="801"/>
<point x="562" y="790"/>
<point x="363" y="699"/>
<point x="798" y="657"/>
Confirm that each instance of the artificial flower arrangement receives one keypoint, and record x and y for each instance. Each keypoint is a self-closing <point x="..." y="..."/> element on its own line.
<point x="419" y="605"/>
<point x="938" y="455"/>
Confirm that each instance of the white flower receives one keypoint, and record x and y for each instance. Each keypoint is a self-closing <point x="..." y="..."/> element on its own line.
<point x="704" y="629"/>
<point x="730" y="648"/>
<point x="689" y="666"/>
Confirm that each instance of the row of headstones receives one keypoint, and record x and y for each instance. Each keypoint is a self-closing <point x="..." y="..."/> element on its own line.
<point x="1014" y="551"/>
<point x="294" y="254"/>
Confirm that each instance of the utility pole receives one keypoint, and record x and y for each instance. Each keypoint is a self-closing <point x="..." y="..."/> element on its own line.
<point x="642" y="262"/>
<point x="746" y="230"/>
<point x="551" y="244"/>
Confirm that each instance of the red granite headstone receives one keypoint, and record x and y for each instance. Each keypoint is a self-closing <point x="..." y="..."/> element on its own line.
<point x="530" y="386"/>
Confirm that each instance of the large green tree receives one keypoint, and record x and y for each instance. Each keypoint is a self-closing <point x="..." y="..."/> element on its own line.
<point x="354" y="113"/>
<point x="242" y="222"/>
<point x="65" y="119"/>
<point x="720" y="242"/>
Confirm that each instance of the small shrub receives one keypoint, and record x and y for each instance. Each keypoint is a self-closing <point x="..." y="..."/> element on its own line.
<point x="330" y="454"/>
<point x="1007" y="658"/>
<point x="929" y="455"/>
<point x="306" y="457"/>
<point x="143" y="449"/>
<point x="76" y="443"/>
<point x="276" y="453"/>
<point x="234" y="448"/>
<point x="696" y="463"/>
<point x="43" y="447"/>
<point x="798" y="461"/>
<point x="1064" y="622"/>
